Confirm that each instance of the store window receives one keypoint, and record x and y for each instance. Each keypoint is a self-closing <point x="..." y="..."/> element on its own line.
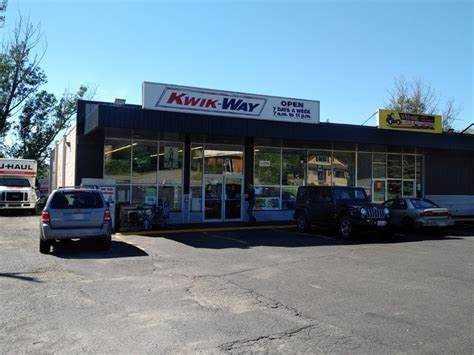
<point x="171" y="195"/>
<point x="343" y="167"/>
<point x="419" y="176"/>
<point x="170" y="175"/>
<point x="267" y="198"/>
<point x="364" y="172"/>
<point x="379" y="165"/>
<point x="221" y="159"/>
<point x="145" y="194"/>
<point x="319" y="171"/>
<point x="394" y="166"/>
<point x="408" y="166"/>
<point x="144" y="162"/>
<point x="267" y="166"/>
<point x="197" y="155"/>
<point x="117" y="160"/>
<point x="293" y="167"/>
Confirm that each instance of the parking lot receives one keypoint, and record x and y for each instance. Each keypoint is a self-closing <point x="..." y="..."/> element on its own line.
<point x="236" y="291"/>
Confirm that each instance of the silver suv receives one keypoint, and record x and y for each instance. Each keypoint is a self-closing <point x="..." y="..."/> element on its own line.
<point x="75" y="213"/>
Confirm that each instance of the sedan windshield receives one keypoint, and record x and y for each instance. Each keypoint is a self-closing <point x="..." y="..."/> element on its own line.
<point x="13" y="182"/>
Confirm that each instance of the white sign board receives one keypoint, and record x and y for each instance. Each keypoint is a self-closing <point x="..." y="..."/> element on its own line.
<point x="225" y="103"/>
<point x="19" y="167"/>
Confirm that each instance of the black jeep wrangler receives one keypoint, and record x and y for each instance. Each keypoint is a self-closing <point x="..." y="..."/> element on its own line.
<point x="347" y="208"/>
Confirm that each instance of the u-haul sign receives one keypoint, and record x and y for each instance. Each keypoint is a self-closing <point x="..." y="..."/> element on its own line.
<point x="18" y="167"/>
<point x="225" y="103"/>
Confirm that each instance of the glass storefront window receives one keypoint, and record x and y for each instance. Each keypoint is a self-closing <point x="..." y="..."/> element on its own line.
<point x="196" y="198"/>
<point x="144" y="194"/>
<point x="394" y="189"/>
<point x="171" y="195"/>
<point x="196" y="164"/>
<point x="319" y="168"/>
<point x="293" y="167"/>
<point x="122" y="193"/>
<point x="117" y="159"/>
<point x="343" y="169"/>
<point x="144" y="162"/>
<point x="288" y="197"/>
<point x="364" y="171"/>
<point x="171" y="163"/>
<point x="222" y="159"/>
<point x="267" y="198"/>
<point x="394" y="166"/>
<point x="267" y="166"/>
<point x="408" y="166"/>
<point x="419" y="176"/>
<point x="408" y="189"/>
<point x="379" y="165"/>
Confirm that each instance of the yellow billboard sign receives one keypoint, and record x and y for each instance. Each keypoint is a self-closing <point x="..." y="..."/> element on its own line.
<point x="405" y="121"/>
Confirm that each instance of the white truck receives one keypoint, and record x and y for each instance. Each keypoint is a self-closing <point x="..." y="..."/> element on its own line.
<point x="17" y="185"/>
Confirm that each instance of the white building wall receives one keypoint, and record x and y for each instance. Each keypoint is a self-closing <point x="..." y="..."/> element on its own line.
<point x="65" y="161"/>
<point x="70" y="158"/>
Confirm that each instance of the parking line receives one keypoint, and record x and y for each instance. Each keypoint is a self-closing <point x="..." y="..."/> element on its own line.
<point x="215" y="229"/>
<point x="119" y="236"/>
<point x="312" y="235"/>
<point x="228" y="238"/>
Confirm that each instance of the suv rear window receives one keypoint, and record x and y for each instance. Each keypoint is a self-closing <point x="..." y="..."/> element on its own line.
<point x="76" y="199"/>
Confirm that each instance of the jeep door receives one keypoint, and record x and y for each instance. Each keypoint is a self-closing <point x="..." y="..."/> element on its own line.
<point x="321" y="206"/>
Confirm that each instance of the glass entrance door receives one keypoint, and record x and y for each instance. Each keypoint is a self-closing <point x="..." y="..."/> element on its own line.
<point x="213" y="197"/>
<point x="222" y="198"/>
<point x="233" y="198"/>
<point x="379" y="190"/>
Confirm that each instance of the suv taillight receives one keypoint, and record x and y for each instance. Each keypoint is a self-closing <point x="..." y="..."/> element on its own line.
<point x="107" y="216"/>
<point x="45" y="217"/>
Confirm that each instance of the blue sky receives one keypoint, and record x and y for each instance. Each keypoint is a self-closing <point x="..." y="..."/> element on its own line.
<point x="345" y="54"/>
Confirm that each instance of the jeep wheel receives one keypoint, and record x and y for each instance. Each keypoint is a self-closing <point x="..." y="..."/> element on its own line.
<point x="345" y="228"/>
<point x="302" y="223"/>
<point x="45" y="246"/>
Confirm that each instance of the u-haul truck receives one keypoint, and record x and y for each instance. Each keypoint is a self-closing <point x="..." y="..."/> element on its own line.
<point x="17" y="185"/>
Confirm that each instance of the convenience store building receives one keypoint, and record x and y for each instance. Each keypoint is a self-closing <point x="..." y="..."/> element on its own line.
<point x="198" y="149"/>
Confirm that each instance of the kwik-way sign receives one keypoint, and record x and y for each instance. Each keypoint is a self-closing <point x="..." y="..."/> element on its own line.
<point x="225" y="103"/>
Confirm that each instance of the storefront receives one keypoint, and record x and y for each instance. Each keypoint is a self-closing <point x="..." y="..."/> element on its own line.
<point x="197" y="150"/>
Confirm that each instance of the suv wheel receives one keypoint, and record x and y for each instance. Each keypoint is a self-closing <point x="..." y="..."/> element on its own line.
<point x="345" y="228"/>
<point x="302" y="223"/>
<point x="45" y="246"/>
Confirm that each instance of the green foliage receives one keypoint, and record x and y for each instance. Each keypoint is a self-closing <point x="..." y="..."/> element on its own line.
<point x="41" y="119"/>
<point x="3" y="8"/>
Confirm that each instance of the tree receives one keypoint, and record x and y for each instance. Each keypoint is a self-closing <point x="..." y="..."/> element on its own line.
<point x="20" y="74"/>
<point x="419" y="97"/>
<point x="3" y="8"/>
<point x="34" y="116"/>
<point x="42" y="118"/>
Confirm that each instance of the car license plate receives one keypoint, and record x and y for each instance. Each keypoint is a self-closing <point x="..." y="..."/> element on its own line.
<point x="381" y="223"/>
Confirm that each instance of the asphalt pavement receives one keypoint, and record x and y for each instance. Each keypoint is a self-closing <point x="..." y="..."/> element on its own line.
<point x="270" y="290"/>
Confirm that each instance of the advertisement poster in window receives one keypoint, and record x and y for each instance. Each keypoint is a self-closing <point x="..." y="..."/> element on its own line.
<point x="171" y="157"/>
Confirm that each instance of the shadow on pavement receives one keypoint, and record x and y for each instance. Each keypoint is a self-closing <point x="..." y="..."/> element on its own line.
<point x="289" y="238"/>
<point x="90" y="249"/>
<point x="19" y="276"/>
